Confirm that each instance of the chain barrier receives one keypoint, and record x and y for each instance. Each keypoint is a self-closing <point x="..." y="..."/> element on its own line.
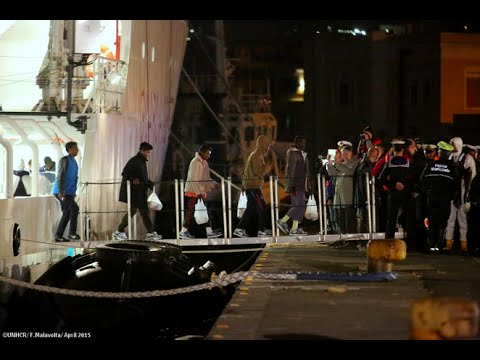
<point x="93" y="244"/>
<point x="69" y="244"/>
<point x="220" y="280"/>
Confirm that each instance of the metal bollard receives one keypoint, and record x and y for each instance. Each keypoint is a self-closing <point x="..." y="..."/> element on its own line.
<point x="382" y="253"/>
<point x="443" y="319"/>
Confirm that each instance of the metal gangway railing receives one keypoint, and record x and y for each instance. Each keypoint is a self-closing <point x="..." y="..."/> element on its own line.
<point x="229" y="194"/>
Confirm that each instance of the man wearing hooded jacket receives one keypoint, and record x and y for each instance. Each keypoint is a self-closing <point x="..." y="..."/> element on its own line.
<point x="253" y="219"/>
<point x="298" y="183"/>
<point x="467" y="171"/>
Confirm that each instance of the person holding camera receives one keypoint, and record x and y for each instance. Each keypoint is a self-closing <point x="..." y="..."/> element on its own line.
<point x="366" y="142"/>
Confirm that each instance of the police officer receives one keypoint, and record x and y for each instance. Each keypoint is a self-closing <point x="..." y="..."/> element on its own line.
<point x="430" y="151"/>
<point x="439" y="183"/>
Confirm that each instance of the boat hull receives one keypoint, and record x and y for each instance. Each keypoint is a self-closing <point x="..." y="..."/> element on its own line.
<point x="125" y="267"/>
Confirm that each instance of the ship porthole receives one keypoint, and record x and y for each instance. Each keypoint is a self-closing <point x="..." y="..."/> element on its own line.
<point x="16" y="239"/>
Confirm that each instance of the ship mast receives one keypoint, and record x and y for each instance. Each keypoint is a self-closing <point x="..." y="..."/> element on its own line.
<point x="220" y="57"/>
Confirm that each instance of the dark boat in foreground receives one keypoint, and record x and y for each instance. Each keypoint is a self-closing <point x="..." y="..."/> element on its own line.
<point x="127" y="266"/>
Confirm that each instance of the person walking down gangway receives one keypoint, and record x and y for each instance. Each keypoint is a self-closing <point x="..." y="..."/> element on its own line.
<point x="136" y="172"/>
<point x="253" y="221"/>
<point x="198" y="184"/>
<point x="64" y="189"/>
<point x="297" y="184"/>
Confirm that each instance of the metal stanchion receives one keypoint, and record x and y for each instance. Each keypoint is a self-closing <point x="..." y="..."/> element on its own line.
<point x="129" y="210"/>
<point x="320" y="208"/>
<point x="229" y="192"/>
<point x="367" y="177"/>
<point x="182" y="203"/>
<point x="134" y="221"/>
<point x="82" y="220"/>
<point x="374" y="206"/>
<point x="324" y="207"/>
<point x="223" y="212"/>
<point x="272" y="211"/>
<point x="177" y="219"/>
<point x="87" y="228"/>
<point x="275" y="184"/>
<point x="87" y="217"/>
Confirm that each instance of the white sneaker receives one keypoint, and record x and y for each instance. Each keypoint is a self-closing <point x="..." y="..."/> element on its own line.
<point x="240" y="233"/>
<point x="299" y="231"/>
<point x="265" y="232"/>
<point x="118" y="235"/>
<point x="283" y="226"/>
<point x="214" y="234"/>
<point x="153" y="236"/>
<point x="185" y="235"/>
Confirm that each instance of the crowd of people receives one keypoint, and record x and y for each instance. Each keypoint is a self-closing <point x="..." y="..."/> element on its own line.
<point x="22" y="182"/>
<point x="426" y="189"/>
<point x="422" y="188"/>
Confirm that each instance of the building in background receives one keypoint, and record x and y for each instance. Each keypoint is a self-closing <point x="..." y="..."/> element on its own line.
<point x="328" y="79"/>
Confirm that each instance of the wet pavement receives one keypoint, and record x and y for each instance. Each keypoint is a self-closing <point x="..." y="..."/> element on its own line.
<point x="322" y="310"/>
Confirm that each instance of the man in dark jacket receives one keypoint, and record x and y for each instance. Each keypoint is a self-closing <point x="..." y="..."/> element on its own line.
<point x="360" y="196"/>
<point x="64" y="190"/>
<point x="396" y="176"/>
<point x="136" y="172"/>
<point x="298" y="183"/>
<point x="439" y="182"/>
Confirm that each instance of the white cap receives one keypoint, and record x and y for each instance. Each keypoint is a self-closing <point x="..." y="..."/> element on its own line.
<point x="343" y="143"/>
<point x="398" y="142"/>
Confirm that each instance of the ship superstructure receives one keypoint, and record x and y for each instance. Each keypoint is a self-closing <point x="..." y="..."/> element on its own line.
<point x="107" y="85"/>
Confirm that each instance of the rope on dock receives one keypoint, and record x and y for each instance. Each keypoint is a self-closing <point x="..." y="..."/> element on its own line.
<point x="220" y="280"/>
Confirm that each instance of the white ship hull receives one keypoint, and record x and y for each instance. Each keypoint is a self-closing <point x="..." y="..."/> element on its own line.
<point x="153" y="52"/>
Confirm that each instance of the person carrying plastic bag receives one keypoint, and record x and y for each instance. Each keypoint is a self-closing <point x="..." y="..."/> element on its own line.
<point x="154" y="202"/>
<point x="253" y="220"/>
<point x="297" y="185"/>
<point x="197" y="186"/>
<point x="311" y="213"/>
<point x="242" y="204"/>
<point x="136" y="172"/>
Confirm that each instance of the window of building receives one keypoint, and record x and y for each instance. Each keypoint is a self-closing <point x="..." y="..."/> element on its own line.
<point x="288" y="85"/>
<point x="343" y="93"/>
<point x="426" y="92"/>
<point x="472" y="88"/>
<point x="413" y="93"/>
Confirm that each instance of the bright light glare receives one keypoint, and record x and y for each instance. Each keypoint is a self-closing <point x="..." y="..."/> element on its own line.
<point x="301" y="81"/>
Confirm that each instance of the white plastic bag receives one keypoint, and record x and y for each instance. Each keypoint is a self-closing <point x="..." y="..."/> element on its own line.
<point x="242" y="204"/>
<point x="154" y="202"/>
<point x="311" y="213"/>
<point x="201" y="213"/>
